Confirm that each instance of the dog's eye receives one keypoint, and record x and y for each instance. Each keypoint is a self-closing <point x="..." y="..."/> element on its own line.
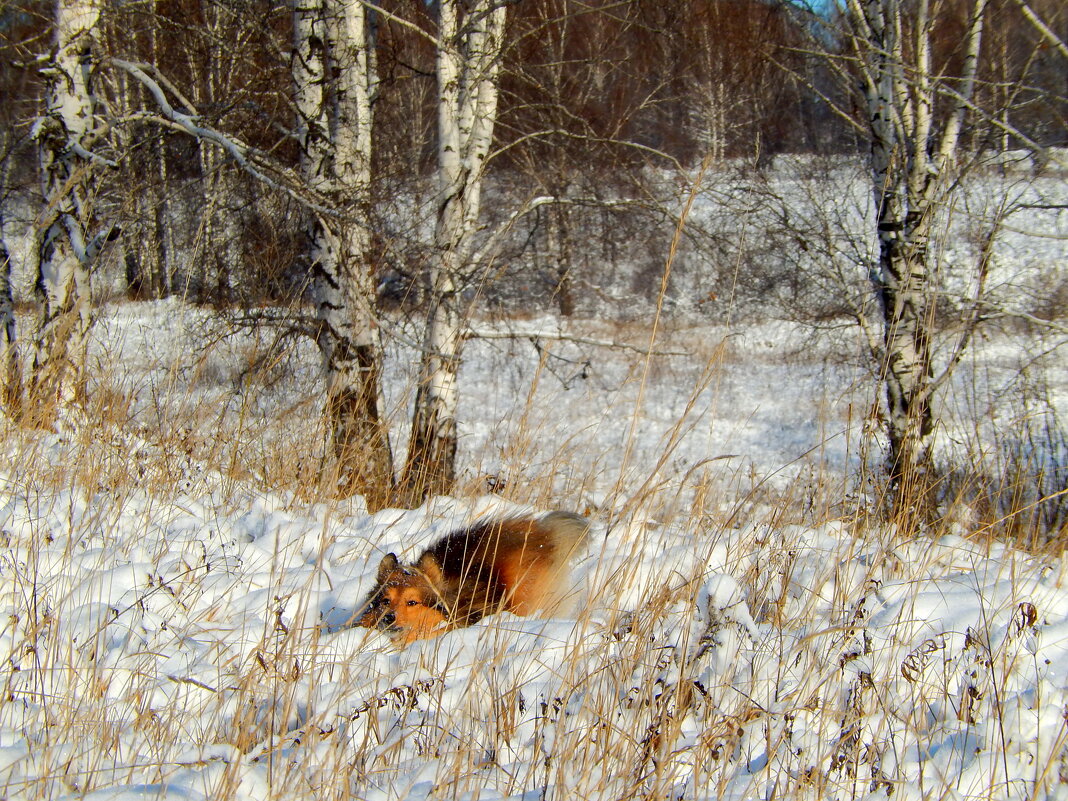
<point x="413" y="603"/>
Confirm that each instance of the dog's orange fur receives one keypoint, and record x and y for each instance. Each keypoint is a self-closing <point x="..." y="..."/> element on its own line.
<point x="514" y="565"/>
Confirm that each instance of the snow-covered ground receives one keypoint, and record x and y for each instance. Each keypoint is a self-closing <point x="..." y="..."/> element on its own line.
<point x="175" y="606"/>
<point x="197" y="648"/>
<point x="183" y="633"/>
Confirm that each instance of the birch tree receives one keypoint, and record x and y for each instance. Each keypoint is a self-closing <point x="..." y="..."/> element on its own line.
<point x="914" y="116"/>
<point x="216" y="82"/>
<point x="334" y="75"/>
<point x="469" y="47"/>
<point x="10" y="380"/>
<point x="67" y="246"/>
<point x="144" y="177"/>
<point x="10" y="377"/>
<point x="332" y="68"/>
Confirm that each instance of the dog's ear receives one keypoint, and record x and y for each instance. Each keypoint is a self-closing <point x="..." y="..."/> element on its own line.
<point x="388" y="564"/>
<point x="430" y="567"/>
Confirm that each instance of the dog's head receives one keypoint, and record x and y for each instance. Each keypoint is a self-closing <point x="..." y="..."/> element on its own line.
<point x="407" y="601"/>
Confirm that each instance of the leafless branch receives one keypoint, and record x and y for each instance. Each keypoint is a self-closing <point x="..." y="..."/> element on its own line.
<point x="1043" y="28"/>
<point x="536" y="336"/>
<point x="252" y="160"/>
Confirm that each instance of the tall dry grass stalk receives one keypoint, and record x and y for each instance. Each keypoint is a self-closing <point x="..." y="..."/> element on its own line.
<point x="721" y="641"/>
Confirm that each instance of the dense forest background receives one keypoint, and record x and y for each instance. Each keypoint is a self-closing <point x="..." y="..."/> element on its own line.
<point x="324" y="167"/>
<point x="598" y="99"/>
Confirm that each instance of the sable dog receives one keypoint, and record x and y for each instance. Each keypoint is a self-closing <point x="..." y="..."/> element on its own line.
<point x="515" y="565"/>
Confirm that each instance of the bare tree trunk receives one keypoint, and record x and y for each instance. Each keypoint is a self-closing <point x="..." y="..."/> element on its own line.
<point x="147" y="254"/>
<point x="66" y="251"/>
<point x="468" y="64"/>
<point x="559" y="246"/>
<point x="912" y="158"/>
<point x="901" y="285"/>
<point x="159" y="249"/>
<point x="10" y="378"/>
<point x="145" y="181"/>
<point x="10" y="365"/>
<point x="217" y="276"/>
<point x="332" y="45"/>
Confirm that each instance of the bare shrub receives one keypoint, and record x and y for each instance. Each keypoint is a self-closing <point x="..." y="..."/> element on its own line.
<point x="1014" y="480"/>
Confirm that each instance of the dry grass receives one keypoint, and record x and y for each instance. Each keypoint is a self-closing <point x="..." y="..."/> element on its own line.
<point x="723" y="642"/>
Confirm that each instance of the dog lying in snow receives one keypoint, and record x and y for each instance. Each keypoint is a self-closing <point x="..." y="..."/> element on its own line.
<point x="513" y="564"/>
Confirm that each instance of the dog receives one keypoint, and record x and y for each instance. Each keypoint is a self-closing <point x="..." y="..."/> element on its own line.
<point x="514" y="564"/>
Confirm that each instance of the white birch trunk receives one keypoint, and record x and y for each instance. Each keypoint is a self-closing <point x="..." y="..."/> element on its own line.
<point x="911" y="173"/>
<point x="148" y="244"/>
<point x="10" y="378"/>
<point x="216" y="276"/>
<point x="712" y="120"/>
<point x="332" y="43"/>
<point x="559" y="249"/>
<point x="470" y="43"/>
<point x="66" y="251"/>
<point x="10" y="366"/>
<point x="218" y="272"/>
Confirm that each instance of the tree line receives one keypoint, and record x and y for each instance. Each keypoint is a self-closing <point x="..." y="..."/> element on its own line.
<point x="327" y="157"/>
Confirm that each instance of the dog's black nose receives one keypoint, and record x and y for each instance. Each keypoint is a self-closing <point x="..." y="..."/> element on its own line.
<point x="387" y="619"/>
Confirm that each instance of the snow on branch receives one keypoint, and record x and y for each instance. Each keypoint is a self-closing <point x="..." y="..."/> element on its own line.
<point x="248" y="158"/>
<point x="404" y="23"/>
<point x="1044" y="29"/>
<point x="93" y="158"/>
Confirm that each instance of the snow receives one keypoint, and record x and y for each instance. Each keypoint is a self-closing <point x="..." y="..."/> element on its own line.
<point x="197" y="647"/>
<point x="171" y="628"/>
